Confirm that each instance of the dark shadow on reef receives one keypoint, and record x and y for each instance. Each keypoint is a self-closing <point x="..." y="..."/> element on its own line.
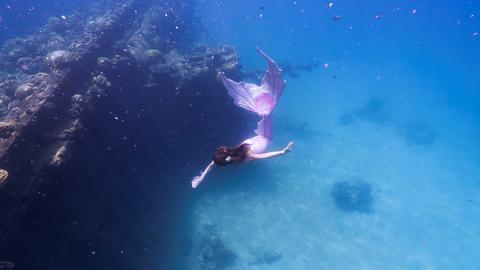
<point x="353" y="196"/>
<point x="99" y="135"/>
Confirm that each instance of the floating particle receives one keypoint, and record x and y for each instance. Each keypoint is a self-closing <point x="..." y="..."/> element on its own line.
<point x="379" y="16"/>
<point x="459" y="22"/>
<point x="414" y="11"/>
<point x="326" y="65"/>
<point x="330" y="5"/>
<point x="261" y="8"/>
<point x="472" y="16"/>
<point x="475" y="34"/>
<point x="396" y="9"/>
<point x="63" y="17"/>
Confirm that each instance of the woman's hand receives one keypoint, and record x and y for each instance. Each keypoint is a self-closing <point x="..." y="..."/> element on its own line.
<point x="288" y="148"/>
<point x="196" y="181"/>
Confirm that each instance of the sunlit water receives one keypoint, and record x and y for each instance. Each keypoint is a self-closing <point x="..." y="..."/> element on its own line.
<point x="384" y="174"/>
<point x="385" y="170"/>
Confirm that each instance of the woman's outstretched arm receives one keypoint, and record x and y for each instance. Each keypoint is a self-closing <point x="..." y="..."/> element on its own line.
<point x="288" y="148"/>
<point x="198" y="179"/>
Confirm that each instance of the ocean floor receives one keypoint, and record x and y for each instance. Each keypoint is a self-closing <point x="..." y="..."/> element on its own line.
<point x="367" y="186"/>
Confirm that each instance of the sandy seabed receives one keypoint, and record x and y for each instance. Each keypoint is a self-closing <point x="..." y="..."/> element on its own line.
<point x="279" y="214"/>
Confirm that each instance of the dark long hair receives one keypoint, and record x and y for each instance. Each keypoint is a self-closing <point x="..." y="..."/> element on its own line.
<point x="237" y="154"/>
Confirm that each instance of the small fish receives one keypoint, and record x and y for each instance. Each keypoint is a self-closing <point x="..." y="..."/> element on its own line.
<point x="330" y="5"/>
<point x="379" y="16"/>
<point x="336" y="17"/>
<point x="261" y="8"/>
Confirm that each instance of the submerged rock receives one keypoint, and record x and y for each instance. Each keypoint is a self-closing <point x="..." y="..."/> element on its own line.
<point x="104" y="62"/>
<point x="27" y="65"/>
<point x="4" y="101"/>
<point x="9" y="86"/>
<point x="3" y="179"/>
<point x="24" y="90"/>
<point x="7" y="127"/>
<point x="57" y="58"/>
<point x="101" y="81"/>
<point x="418" y="133"/>
<point x="151" y="56"/>
<point x="353" y="196"/>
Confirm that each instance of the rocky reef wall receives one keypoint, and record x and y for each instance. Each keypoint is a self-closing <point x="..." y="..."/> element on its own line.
<point x="99" y="142"/>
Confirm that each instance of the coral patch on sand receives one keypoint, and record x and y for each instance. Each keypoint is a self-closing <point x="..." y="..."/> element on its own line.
<point x="353" y="196"/>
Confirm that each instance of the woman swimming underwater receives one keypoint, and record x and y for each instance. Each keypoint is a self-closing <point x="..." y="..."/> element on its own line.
<point x="261" y="100"/>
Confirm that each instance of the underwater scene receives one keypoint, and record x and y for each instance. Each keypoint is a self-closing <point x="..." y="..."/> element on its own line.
<point x="255" y="134"/>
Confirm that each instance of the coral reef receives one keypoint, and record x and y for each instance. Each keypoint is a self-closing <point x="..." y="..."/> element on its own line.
<point x="418" y="133"/>
<point x="83" y="117"/>
<point x="24" y="90"/>
<point x="353" y="196"/>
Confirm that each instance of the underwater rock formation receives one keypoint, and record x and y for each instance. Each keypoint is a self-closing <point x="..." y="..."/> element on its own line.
<point x="353" y="196"/>
<point x="24" y="90"/>
<point x="418" y="133"/>
<point x="81" y="137"/>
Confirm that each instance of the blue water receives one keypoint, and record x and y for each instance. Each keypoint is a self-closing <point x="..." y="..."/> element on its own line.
<point x="385" y="169"/>
<point x="405" y="155"/>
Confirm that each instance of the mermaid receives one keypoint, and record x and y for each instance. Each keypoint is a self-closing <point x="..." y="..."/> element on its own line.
<point x="260" y="99"/>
